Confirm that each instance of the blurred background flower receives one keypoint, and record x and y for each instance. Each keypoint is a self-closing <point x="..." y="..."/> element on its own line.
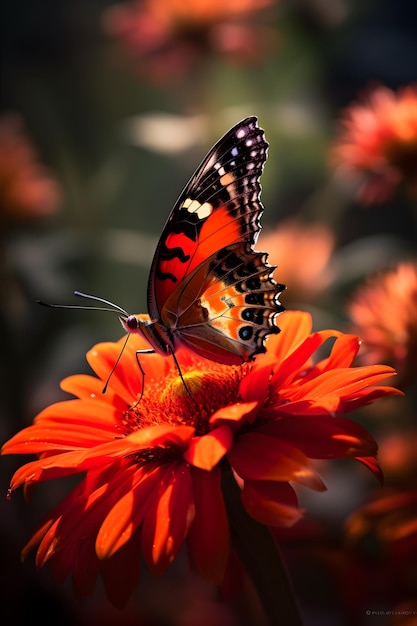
<point x="377" y="143"/>
<point x="106" y="109"/>
<point x="165" y="40"/>
<point x="388" y="522"/>
<point x="28" y="190"/>
<point x="302" y="252"/>
<point x="383" y="312"/>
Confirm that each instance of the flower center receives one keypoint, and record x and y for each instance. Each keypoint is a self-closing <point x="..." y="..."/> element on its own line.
<point x="190" y="398"/>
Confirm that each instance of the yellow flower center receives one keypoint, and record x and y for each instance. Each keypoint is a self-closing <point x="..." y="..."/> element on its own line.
<point x="190" y="398"/>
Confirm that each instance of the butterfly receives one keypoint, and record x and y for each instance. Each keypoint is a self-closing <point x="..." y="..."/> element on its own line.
<point x="208" y="288"/>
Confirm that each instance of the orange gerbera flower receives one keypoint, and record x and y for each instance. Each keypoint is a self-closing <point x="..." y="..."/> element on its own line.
<point x="387" y="337"/>
<point x="378" y="143"/>
<point x="151" y="463"/>
<point x="166" y="38"/>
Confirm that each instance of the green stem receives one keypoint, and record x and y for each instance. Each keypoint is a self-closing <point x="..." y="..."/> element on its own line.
<point x="261" y="557"/>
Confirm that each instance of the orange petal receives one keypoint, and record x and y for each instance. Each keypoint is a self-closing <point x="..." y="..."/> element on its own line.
<point x="323" y="437"/>
<point x="366" y="396"/>
<point x="254" y="386"/>
<point x="126" y="515"/>
<point x="167" y="522"/>
<point x="289" y="368"/>
<point x="82" y="385"/>
<point x="344" y="350"/>
<point x="206" y="451"/>
<point x="239" y="412"/>
<point x="161" y="434"/>
<point x="371" y="463"/>
<point x="87" y="387"/>
<point x="271" y="503"/>
<point x="255" y="456"/>
<point x="94" y="411"/>
<point x="126" y="380"/>
<point x="208" y="539"/>
<point x="295" y="327"/>
<point x="66" y="425"/>
<point x="327" y="390"/>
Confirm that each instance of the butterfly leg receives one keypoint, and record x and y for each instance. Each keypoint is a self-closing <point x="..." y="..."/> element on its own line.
<point x="142" y="371"/>
<point x="172" y="353"/>
<point x="115" y="365"/>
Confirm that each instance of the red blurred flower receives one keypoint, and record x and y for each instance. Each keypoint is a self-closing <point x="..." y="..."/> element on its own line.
<point x="27" y="190"/>
<point x="150" y="466"/>
<point x="383" y="313"/>
<point x="377" y="143"/>
<point x="166" y="38"/>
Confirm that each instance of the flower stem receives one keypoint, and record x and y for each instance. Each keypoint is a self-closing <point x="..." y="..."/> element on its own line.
<point x="261" y="557"/>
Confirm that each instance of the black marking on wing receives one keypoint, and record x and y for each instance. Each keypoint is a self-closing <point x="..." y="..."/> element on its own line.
<point x="190" y="226"/>
<point x="166" y="276"/>
<point x="168" y="254"/>
<point x="175" y="253"/>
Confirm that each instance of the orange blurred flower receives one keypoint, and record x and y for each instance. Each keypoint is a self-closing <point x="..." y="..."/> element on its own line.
<point x="383" y="313"/>
<point x="377" y="143"/>
<point x="391" y="518"/>
<point x="166" y="38"/>
<point x="302" y="252"/>
<point x="397" y="455"/>
<point x="150" y="465"/>
<point x="27" y="190"/>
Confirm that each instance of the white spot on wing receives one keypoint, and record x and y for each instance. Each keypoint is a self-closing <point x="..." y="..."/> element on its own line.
<point x="193" y="207"/>
<point x="202" y="210"/>
<point x="205" y="210"/>
<point x="219" y="167"/>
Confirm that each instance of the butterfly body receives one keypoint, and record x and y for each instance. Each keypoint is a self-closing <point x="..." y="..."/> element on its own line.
<point x="208" y="288"/>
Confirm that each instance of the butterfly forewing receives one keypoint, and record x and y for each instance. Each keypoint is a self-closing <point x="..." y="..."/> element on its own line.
<point x="219" y="206"/>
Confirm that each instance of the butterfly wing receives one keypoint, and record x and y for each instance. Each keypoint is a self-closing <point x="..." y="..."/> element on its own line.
<point x="224" y="308"/>
<point x="219" y="206"/>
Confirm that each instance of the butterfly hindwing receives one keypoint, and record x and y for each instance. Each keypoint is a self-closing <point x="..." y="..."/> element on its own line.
<point x="219" y="206"/>
<point x="225" y="308"/>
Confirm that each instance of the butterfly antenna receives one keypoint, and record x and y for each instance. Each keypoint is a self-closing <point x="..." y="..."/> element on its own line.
<point x="115" y="365"/>
<point x="113" y="308"/>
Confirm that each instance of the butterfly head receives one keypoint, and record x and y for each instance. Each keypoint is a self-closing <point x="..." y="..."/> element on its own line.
<point x="134" y="323"/>
<point x="156" y="335"/>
